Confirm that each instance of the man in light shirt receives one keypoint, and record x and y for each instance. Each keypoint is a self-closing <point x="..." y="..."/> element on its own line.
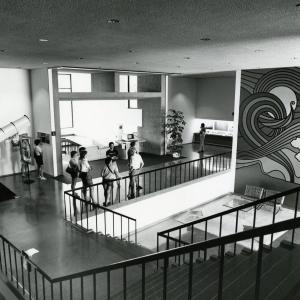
<point x="135" y="164"/>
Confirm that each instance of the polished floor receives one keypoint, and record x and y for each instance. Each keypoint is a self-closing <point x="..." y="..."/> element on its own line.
<point x="35" y="220"/>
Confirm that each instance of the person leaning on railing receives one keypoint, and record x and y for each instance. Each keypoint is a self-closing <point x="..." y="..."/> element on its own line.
<point x="85" y="175"/>
<point x="109" y="173"/>
<point x="135" y="164"/>
<point x="73" y="169"/>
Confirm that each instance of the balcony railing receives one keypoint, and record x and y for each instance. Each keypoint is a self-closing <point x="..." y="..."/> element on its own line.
<point x="243" y="217"/>
<point x="91" y="216"/>
<point x="101" y="283"/>
<point x="157" y="179"/>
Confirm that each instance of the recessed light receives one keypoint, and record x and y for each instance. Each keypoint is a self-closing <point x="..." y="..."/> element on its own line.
<point x="43" y="40"/>
<point x="178" y="67"/>
<point x="258" y="50"/>
<point x="3" y="50"/>
<point x="298" y="5"/>
<point x="45" y="63"/>
<point x="113" y="21"/>
<point x="130" y="51"/>
<point x="137" y="63"/>
<point x="81" y="57"/>
<point x="187" y="57"/>
<point x="205" y="39"/>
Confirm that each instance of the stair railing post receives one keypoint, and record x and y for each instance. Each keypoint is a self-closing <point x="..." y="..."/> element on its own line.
<point x="259" y="267"/>
<point x="221" y="272"/>
<point x="295" y="216"/>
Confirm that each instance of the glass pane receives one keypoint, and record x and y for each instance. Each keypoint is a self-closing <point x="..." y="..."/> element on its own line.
<point x="132" y="83"/>
<point x="64" y="81"/>
<point x="123" y="83"/>
<point x="81" y="82"/>
<point x="133" y="103"/>
<point x="66" y="118"/>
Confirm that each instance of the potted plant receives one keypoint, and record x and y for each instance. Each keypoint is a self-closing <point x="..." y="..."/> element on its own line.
<point x="174" y="127"/>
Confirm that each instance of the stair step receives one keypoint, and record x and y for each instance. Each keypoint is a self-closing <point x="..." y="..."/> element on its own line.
<point x="272" y="262"/>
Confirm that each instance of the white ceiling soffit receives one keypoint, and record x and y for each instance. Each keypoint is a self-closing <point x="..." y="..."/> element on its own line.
<point x="150" y="35"/>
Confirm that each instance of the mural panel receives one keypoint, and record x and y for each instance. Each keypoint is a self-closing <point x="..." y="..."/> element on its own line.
<point x="269" y="127"/>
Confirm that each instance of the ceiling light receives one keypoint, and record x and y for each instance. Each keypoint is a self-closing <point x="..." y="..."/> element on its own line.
<point x="81" y="57"/>
<point x="258" y="50"/>
<point x="113" y="21"/>
<point x="130" y="51"/>
<point x="137" y="63"/>
<point x="205" y="39"/>
<point x="43" y="40"/>
<point x="45" y="63"/>
<point x="3" y="50"/>
<point x="298" y="5"/>
<point x="187" y="57"/>
<point x="178" y="67"/>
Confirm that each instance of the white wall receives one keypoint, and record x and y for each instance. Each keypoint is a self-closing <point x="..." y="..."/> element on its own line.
<point x="14" y="102"/>
<point x="100" y="120"/>
<point x="182" y="93"/>
<point x="215" y="98"/>
<point x="41" y="112"/>
<point x="163" y="204"/>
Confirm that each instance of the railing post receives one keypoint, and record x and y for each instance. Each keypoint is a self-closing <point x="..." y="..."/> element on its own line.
<point x="165" y="278"/>
<point x="190" y="280"/>
<point x="258" y="268"/>
<point x="295" y="216"/>
<point x="221" y="273"/>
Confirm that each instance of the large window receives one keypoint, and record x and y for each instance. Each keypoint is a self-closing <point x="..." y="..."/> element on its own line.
<point x="74" y="82"/>
<point x="128" y="84"/>
<point x="66" y="114"/>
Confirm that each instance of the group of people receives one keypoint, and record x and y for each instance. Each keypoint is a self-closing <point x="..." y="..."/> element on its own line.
<point x="79" y="167"/>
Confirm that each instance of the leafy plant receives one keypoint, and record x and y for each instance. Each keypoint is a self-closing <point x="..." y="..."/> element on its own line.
<point x="174" y="127"/>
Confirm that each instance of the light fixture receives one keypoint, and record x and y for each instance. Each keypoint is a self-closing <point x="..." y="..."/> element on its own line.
<point x="137" y="63"/>
<point x="81" y="58"/>
<point x="205" y="39"/>
<point x="298" y="5"/>
<point x="258" y="50"/>
<point x="113" y="21"/>
<point x="130" y="51"/>
<point x="178" y="67"/>
<point x="187" y="57"/>
<point x="3" y="50"/>
<point x="43" y="40"/>
<point x="45" y="63"/>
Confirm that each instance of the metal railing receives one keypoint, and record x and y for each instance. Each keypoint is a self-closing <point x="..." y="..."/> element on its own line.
<point x="67" y="146"/>
<point x="243" y="217"/>
<point x="85" y="285"/>
<point x="157" y="179"/>
<point x="91" y="216"/>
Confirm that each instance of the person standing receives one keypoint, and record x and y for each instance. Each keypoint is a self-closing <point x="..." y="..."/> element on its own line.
<point x="38" y="155"/>
<point x="73" y="169"/>
<point x="202" y="134"/>
<point x="25" y="157"/>
<point x="135" y="165"/>
<point x="85" y="175"/>
<point x="131" y="151"/>
<point x="112" y="152"/>
<point x="109" y="173"/>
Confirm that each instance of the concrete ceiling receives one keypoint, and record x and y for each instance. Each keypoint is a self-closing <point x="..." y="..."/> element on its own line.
<point x="152" y="35"/>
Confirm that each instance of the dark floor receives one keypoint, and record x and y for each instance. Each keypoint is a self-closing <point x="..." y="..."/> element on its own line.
<point x="35" y="220"/>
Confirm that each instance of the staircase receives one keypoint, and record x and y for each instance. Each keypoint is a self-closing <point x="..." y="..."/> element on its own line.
<point x="280" y="277"/>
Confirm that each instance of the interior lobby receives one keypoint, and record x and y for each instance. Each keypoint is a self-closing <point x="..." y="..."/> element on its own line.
<point x="215" y="195"/>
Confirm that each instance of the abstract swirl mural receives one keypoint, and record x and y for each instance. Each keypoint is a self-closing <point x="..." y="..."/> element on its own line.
<point x="269" y="124"/>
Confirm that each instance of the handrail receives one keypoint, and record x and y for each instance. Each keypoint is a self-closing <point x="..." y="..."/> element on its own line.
<point x="231" y="210"/>
<point x="245" y="235"/>
<point x="157" y="169"/>
<point x="69" y="193"/>
<point x="28" y="259"/>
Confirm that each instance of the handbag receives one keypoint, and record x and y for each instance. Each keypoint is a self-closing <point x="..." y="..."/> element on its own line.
<point x="70" y="170"/>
